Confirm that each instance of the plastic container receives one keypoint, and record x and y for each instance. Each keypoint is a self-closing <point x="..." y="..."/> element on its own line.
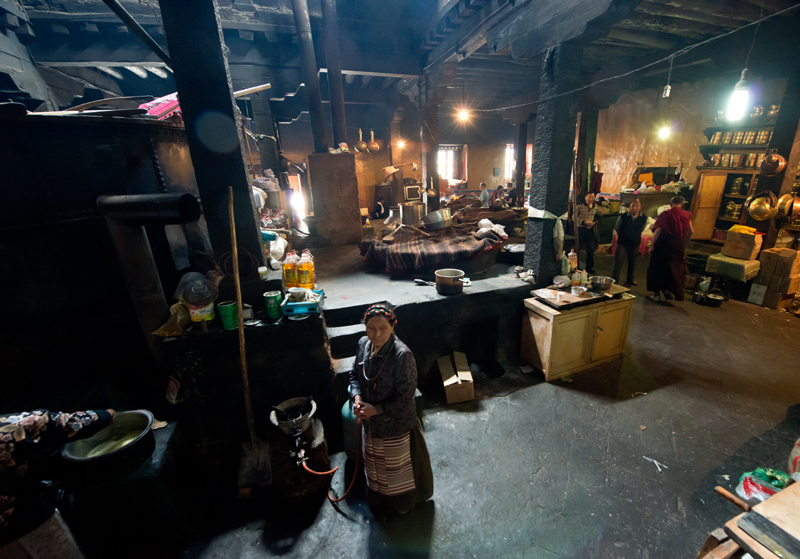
<point x="290" y="270"/>
<point x="307" y="253"/>
<point x="305" y="273"/>
<point x="573" y="260"/>
<point x="200" y="296"/>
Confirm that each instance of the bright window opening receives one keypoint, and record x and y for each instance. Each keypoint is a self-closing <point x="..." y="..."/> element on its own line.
<point x="509" y="161"/>
<point x="446" y="162"/>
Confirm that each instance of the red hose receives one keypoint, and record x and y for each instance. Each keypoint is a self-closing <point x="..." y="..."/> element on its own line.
<point x="333" y="471"/>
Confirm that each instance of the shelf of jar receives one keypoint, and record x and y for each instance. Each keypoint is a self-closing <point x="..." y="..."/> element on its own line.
<point x="716" y="148"/>
<point x="743" y="170"/>
<point x="711" y="130"/>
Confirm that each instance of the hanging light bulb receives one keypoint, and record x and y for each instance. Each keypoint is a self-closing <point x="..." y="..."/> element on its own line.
<point x="463" y="115"/>
<point x="401" y="144"/>
<point x="665" y="132"/>
<point x="740" y="98"/>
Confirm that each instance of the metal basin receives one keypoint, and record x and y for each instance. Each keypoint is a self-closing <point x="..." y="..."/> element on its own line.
<point x="411" y="213"/>
<point x="127" y="429"/>
<point x="438" y="220"/>
<point x="601" y="283"/>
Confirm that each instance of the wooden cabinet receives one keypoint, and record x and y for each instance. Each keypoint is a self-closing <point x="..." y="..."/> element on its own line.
<point x="562" y="342"/>
<point x="729" y="176"/>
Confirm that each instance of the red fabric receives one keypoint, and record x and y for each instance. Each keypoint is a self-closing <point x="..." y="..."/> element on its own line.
<point x="597" y="183"/>
<point x="673" y="222"/>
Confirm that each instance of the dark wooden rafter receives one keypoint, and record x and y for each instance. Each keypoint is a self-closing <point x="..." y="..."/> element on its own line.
<point x="737" y="10"/>
<point x="724" y="21"/>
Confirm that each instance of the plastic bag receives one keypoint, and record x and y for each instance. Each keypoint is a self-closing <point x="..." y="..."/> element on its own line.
<point x="794" y="461"/>
<point x="761" y="483"/>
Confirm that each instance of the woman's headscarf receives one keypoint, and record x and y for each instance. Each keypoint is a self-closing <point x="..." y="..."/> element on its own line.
<point x="380" y="310"/>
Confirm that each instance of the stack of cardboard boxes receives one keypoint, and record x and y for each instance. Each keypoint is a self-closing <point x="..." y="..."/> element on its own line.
<point x="778" y="279"/>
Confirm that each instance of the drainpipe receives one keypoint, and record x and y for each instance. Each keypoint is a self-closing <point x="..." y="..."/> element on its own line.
<point x="333" y="61"/>
<point x="310" y="77"/>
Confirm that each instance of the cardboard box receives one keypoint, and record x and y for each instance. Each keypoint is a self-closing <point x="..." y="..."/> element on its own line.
<point x="776" y="300"/>
<point x="789" y="285"/>
<point x="775" y="283"/>
<point x="788" y="263"/>
<point x="757" y="293"/>
<point x="742" y="245"/>
<point x="763" y="277"/>
<point x="769" y="259"/>
<point x="458" y="384"/>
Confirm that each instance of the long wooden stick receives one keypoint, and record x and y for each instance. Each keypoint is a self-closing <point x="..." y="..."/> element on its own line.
<point x="248" y="406"/>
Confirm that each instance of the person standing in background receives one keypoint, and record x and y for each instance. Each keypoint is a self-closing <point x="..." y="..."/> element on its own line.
<point x="671" y="231"/>
<point x="628" y="231"/>
<point x="484" y="197"/>
<point x="584" y="222"/>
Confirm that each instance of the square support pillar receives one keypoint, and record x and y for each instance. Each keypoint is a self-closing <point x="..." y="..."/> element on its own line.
<point x="553" y="155"/>
<point x="334" y="190"/>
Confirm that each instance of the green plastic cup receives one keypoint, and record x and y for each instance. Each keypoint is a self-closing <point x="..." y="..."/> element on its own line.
<point x="229" y="315"/>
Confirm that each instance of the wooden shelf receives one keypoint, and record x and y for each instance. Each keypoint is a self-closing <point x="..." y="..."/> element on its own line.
<point x="741" y="170"/>
<point x="734" y="219"/>
<point x="713" y="148"/>
<point x="715" y="241"/>
<point x="734" y="195"/>
<point x="742" y="128"/>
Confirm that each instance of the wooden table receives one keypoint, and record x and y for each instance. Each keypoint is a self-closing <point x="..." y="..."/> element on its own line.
<point x="561" y="342"/>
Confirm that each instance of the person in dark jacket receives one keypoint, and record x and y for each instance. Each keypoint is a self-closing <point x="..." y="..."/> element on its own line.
<point x="382" y="384"/>
<point x="628" y="231"/>
<point x="30" y="526"/>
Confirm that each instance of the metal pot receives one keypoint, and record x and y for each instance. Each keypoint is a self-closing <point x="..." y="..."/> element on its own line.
<point x="796" y="209"/>
<point x="762" y="206"/>
<point x="296" y="415"/>
<point x="784" y="207"/>
<point x="714" y="298"/>
<point x="699" y="297"/>
<point x="449" y="281"/>
<point x="411" y="213"/>
<point x="440" y="219"/>
<point x="124" y="433"/>
<point x="773" y="163"/>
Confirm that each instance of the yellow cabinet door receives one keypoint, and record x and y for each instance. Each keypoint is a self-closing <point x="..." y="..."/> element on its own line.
<point x="610" y="331"/>
<point x="705" y="206"/>
<point x="571" y="344"/>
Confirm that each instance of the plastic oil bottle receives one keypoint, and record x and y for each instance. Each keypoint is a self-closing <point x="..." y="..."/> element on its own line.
<point x="290" y="270"/>
<point x="307" y="253"/>
<point x="305" y="272"/>
<point x="573" y="260"/>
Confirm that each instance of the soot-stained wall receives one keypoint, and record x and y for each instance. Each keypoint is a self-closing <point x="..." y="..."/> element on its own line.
<point x="627" y="130"/>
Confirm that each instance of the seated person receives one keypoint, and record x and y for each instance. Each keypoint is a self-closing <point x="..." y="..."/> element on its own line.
<point x="496" y="198"/>
<point x="381" y="210"/>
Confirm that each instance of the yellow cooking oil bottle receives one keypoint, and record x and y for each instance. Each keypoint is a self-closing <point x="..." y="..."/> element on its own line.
<point x="305" y="271"/>
<point x="290" y="270"/>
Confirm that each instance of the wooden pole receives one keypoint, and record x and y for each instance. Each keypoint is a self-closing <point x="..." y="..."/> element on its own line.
<point x="310" y="77"/>
<point x="334" y="63"/>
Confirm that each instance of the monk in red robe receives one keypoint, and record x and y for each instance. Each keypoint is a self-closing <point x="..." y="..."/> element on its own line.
<point x="671" y="231"/>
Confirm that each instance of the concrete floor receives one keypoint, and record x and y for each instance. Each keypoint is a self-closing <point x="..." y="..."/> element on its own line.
<point x="532" y="470"/>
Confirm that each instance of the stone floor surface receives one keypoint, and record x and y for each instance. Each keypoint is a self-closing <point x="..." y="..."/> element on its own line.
<point x="535" y="470"/>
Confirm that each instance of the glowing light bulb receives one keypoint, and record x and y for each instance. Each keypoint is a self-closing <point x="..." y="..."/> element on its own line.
<point x="740" y="98"/>
<point x="664" y="132"/>
<point x="463" y="115"/>
<point x="401" y="144"/>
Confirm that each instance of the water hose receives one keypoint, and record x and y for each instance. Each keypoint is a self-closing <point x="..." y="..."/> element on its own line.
<point x="333" y="471"/>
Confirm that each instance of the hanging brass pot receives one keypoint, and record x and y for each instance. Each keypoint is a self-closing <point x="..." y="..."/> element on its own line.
<point x="762" y="206"/>
<point x="373" y="146"/>
<point x="773" y="163"/>
<point x="361" y="146"/>
<point x="784" y="207"/>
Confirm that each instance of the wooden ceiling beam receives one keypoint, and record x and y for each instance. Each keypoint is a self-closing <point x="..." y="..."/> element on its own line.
<point x="646" y="38"/>
<point x="653" y="9"/>
<point x="540" y="24"/>
<point x="730" y="9"/>
<point x="670" y="26"/>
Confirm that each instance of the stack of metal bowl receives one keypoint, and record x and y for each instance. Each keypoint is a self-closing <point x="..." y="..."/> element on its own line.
<point x="601" y="283"/>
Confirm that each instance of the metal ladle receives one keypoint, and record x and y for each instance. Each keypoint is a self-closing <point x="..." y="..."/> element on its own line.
<point x="373" y="146"/>
<point x="361" y="146"/>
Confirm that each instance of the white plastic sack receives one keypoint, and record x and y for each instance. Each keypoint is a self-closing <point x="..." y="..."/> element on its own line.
<point x="277" y="248"/>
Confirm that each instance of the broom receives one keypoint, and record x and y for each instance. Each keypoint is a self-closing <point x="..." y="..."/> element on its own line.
<point x="254" y="466"/>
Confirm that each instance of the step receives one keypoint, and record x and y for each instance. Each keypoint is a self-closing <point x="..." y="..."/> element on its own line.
<point x="346" y="316"/>
<point x="343" y="340"/>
